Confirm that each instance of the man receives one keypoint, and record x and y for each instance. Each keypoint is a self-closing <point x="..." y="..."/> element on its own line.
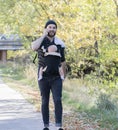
<point x="51" y="81"/>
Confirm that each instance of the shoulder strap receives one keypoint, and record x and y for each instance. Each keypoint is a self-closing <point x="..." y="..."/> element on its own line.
<point x="35" y="58"/>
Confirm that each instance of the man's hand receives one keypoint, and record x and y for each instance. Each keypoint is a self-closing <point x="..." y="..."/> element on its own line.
<point x="45" y="32"/>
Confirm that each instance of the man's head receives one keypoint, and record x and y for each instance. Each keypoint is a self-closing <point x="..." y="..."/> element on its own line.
<point x="50" y="22"/>
<point x="51" y="26"/>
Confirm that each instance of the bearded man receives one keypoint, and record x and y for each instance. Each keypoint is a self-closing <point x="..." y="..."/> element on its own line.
<point x="51" y="80"/>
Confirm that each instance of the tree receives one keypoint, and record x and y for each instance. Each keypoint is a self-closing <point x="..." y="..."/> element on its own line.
<point x="87" y="24"/>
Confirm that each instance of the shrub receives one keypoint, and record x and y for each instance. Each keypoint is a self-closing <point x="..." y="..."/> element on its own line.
<point x="105" y="103"/>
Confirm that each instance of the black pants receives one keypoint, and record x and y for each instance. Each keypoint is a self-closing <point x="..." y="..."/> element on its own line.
<point x="53" y="84"/>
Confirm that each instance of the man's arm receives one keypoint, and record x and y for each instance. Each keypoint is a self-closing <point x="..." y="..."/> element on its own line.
<point x="36" y="44"/>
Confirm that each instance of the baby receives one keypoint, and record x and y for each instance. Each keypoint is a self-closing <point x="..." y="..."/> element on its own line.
<point x="52" y="61"/>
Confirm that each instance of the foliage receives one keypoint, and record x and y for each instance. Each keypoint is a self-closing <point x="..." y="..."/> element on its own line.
<point x="14" y="71"/>
<point x="104" y="102"/>
<point x="80" y="24"/>
<point x="104" y="119"/>
<point x="30" y="74"/>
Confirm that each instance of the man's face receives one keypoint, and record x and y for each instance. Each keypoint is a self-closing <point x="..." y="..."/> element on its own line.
<point x="51" y="30"/>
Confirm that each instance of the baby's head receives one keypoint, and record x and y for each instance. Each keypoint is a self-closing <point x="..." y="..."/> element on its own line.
<point x="52" y="48"/>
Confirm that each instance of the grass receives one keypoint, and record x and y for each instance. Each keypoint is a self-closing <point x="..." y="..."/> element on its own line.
<point x="104" y="118"/>
<point x="79" y="98"/>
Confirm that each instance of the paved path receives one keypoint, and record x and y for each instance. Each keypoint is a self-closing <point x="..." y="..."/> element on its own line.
<point x="16" y="113"/>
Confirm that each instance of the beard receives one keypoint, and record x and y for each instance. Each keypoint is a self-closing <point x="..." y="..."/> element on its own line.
<point x="51" y="34"/>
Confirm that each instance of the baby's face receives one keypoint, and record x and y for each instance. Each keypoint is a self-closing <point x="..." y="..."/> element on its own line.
<point x="52" y="48"/>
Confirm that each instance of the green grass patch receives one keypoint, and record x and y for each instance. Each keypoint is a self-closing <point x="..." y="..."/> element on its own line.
<point x="104" y="118"/>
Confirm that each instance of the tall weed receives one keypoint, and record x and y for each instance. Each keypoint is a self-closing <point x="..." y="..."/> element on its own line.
<point x="30" y="73"/>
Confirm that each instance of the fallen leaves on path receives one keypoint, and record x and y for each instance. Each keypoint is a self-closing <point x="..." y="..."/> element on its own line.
<point x="71" y="121"/>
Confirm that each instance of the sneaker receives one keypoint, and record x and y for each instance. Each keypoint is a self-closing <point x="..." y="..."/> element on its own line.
<point x="47" y="129"/>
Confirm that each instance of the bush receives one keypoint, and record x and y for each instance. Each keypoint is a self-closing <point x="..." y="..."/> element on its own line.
<point x="105" y="103"/>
